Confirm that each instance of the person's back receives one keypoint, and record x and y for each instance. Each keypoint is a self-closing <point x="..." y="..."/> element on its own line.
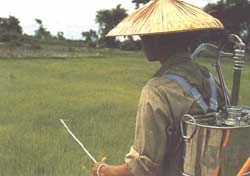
<point x="162" y="105"/>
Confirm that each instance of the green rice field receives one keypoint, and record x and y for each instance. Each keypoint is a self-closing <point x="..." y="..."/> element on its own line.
<point x="98" y="99"/>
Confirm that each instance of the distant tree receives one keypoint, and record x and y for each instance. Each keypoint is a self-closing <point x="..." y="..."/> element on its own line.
<point x="130" y="44"/>
<point x="10" y="24"/>
<point x="139" y="2"/>
<point x="108" y="19"/>
<point x="90" y="38"/>
<point x="10" y="30"/>
<point x="39" y="21"/>
<point x="60" y="36"/>
<point x="234" y="14"/>
<point x="42" y="32"/>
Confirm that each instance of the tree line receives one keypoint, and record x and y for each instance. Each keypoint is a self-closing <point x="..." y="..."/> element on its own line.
<point x="234" y="14"/>
<point x="12" y="33"/>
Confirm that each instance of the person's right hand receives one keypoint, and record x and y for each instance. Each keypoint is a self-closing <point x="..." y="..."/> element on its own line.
<point x="98" y="167"/>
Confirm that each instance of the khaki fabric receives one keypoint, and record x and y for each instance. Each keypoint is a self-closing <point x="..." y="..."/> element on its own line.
<point x="157" y="145"/>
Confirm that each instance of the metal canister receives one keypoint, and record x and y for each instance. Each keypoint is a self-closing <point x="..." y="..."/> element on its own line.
<point x="213" y="150"/>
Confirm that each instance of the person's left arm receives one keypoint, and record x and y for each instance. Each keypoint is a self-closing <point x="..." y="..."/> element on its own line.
<point x="151" y="139"/>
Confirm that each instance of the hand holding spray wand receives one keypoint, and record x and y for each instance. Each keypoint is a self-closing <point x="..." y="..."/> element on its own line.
<point x="77" y="140"/>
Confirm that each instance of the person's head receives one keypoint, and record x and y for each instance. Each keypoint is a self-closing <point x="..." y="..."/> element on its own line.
<point x="165" y="26"/>
<point x="160" y="47"/>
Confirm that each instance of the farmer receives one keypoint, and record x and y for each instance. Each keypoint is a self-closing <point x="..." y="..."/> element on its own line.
<point x="166" y="28"/>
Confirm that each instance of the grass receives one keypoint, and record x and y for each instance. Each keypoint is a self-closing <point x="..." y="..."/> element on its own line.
<point x="97" y="97"/>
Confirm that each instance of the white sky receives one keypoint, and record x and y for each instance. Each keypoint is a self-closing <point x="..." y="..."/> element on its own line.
<point x="69" y="16"/>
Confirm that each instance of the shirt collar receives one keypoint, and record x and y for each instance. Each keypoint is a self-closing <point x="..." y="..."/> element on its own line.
<point x="173" y="60"/>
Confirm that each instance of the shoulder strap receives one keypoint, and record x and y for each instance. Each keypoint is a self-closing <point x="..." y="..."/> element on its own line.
<point x="190" y="89"/>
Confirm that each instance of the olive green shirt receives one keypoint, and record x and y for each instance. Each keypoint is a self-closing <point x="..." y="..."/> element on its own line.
<point x="157" y="148"/>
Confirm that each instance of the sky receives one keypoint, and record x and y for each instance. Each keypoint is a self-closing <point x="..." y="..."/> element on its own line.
<point x="68" y="16"/>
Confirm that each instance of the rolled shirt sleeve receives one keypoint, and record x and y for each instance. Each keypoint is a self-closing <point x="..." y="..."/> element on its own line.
<point x="151" y="136"/>
<point x="138" y="164"/>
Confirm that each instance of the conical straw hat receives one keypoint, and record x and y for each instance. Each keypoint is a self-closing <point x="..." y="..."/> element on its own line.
<point x="165" y="16"/>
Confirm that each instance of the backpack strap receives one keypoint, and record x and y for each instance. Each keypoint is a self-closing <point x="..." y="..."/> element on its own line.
<point x="213" y="105"/>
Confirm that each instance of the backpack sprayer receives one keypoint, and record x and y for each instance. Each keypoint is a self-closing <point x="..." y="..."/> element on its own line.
<point x="218" y="143"/>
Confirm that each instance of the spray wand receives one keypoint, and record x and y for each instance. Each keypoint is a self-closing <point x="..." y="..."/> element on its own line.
<point x="78" y="141"/>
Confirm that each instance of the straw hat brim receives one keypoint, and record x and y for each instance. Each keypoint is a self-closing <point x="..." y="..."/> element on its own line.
<point x="166" y="16"/>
